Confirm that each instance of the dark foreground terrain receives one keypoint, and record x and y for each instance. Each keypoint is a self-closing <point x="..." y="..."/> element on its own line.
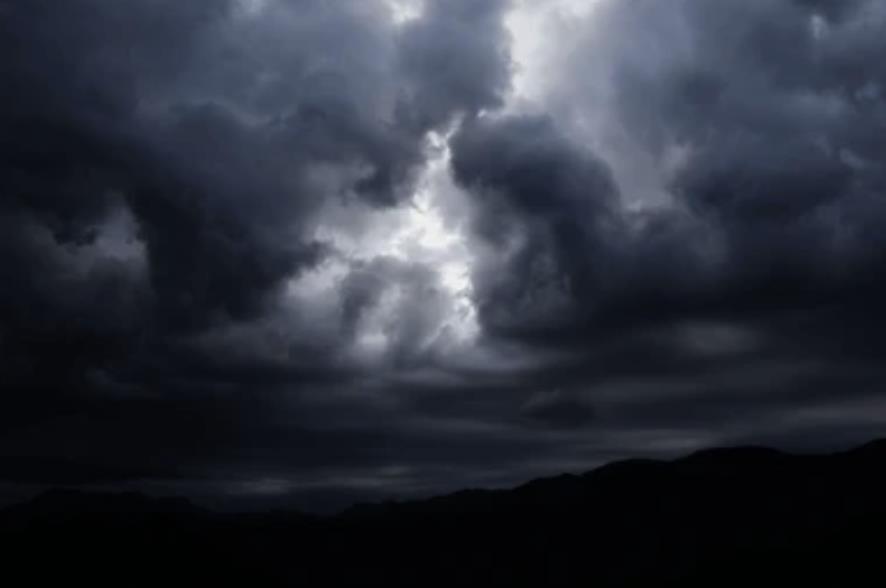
<point x="730" y="517"/>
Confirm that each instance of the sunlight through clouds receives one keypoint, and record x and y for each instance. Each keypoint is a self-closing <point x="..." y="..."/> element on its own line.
<point x="532" y="25"/>
<point x="404" y="11"/>
<point x="425" y="232"/>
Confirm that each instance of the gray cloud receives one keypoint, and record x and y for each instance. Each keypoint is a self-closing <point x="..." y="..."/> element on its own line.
<point x="201" y="284"/>
<point x="555" y="408"/>
<point x="163" y="170"/>
<point x="734" y="281"/>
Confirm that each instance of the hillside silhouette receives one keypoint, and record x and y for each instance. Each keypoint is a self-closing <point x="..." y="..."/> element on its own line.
<point x="723" y="517"/>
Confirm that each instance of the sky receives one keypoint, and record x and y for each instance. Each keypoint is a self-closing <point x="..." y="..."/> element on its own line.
<point x="307" y="252"/>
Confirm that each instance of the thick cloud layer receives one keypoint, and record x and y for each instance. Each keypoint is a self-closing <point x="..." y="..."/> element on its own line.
<point x="278" y="248"/>
<point x="733" y="289"/>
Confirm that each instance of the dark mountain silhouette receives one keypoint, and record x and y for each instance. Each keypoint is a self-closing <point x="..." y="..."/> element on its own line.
<point x="724" y="517"/>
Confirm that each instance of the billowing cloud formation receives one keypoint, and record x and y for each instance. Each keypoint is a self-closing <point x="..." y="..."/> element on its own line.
<point x="292" y="246"/>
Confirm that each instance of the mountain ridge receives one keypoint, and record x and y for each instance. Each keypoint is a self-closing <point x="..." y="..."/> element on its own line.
<point x="725" y="516"/>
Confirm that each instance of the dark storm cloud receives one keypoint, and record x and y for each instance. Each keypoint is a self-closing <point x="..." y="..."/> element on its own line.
<point x="559" y="410"/>
<point x="750" y="300"/>
<point x="776" y="199"/>
<point x="162" y="167"/>
<point x="166" y="166"/>
<point x="454" y="59"/>
<point x="544" y="201"/>
<point x="206" y="123"/>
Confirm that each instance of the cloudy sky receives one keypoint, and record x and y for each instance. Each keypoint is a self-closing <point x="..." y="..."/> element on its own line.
<point x="307" y="252"/>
